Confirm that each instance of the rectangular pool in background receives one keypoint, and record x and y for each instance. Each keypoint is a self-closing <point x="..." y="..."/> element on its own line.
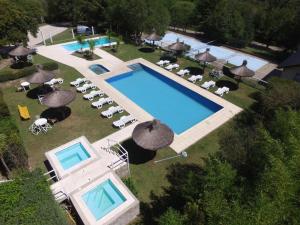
<point x="175" y="105"/>
<point x="103" y="199"/>
<point x="72" y="155"/>
<point x="76" y="46"/>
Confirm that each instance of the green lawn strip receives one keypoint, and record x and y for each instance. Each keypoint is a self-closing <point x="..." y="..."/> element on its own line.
<point x="83" y="56"/>
<point x="84" y="120"/>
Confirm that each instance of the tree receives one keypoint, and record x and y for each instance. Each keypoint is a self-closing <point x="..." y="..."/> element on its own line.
<point x="17" y="19"/>
<point x="92" y="45"/>
<point x="182" y="13"/>
<point x="3" y="146"/>
<point x="81" y="41"/>
<point x="171" y="217"/>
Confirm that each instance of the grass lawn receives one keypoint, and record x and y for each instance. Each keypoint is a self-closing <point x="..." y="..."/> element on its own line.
<point x="84" y="120"/>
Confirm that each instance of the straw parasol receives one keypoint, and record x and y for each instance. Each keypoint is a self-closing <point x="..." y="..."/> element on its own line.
<point x="242" y="70"/>
<point x="153" y="37"/>
<point x="40" y="77"/>
<point x="58" y="98"/>
<point x="152" y="135"/>
<point x="20" y="51"/>
<point x="178" y="46"/>
<point x="205" y="57"/>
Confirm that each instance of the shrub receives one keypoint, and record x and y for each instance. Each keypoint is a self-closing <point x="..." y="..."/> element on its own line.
<point x="50" y="66"/>
<point x="28" y="200"/>
<point x="131" y="186"/>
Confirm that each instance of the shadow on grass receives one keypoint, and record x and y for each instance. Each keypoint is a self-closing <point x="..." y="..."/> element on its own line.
<point x="231" y="85"/>
<point x="56" y="114"/>
<point x="194" y="70"/>
<point x="146" y="49"/>
<point x="137" y="155"/>
<point x="20" y="65"/>
<point x="40" y="90"/>
<point x="182" y="178"/>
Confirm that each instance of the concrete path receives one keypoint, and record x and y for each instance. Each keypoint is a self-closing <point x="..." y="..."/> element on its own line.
<point x="46" y="30"/>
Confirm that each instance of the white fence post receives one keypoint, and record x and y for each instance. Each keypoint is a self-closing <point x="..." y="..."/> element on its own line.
<point x="43" y="38"/>
<point x="73" y="34"/>
<point x="93" y="31"/>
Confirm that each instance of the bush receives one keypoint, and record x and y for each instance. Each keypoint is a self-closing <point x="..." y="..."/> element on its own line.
<point x="11" y="74"/>
<point x="28" y="200"/>
<point x="50" y="66"/>
<point x="131" y="186"/>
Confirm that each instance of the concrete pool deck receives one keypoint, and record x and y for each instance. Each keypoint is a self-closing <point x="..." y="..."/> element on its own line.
<point x="116" y="67"/>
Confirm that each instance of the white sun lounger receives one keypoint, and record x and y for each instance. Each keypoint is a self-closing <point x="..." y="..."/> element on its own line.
<point x="208" y="84"/>
<point x="171" y="67"/>
<point x="222" y="90"/>
<point x="102" y="101"/>
<point x="111" y="111"/>
<point x="195" y="78"/>
<point x="121" y="123"/>
<point x="55" y="81"/>
<point x="78" y="81"/>
<point x="85" y="87"/>
<point x="183" y="72"/>
<point x="90" y="96"/>
<point x="163" y="62"/>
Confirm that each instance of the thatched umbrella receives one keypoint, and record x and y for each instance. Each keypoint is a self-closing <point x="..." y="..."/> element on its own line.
<point x="58" y="98"/>
<point x="20" y="51"/>
<point x="40" y="77"/>
<point x="152" y="135"/>
<point x="242" y="71"/>
<point x="178" y="47"/>
<point x="205" y="57"/>
<point x="153" y="37"/>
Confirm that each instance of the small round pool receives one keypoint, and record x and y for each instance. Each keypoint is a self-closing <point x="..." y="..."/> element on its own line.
<point x="98" y="69"/>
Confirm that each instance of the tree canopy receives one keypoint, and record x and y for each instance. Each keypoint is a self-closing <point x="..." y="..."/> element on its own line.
<point x="17" y="18"/>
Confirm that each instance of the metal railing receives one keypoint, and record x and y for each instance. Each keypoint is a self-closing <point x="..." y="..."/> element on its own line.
<point x="114" y="147"/>
<point x="51" y="177"/>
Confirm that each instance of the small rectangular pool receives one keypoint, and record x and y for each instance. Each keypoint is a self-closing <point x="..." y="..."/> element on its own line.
<point x="76" y="46"/>
<point x="72" y="155"/>
<point x="98" y="69"/>
<point x="172" y="103"/>
<point x="103" y="199"/>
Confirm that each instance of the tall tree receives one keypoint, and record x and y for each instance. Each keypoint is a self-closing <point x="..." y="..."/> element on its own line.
<point x="182" y="13"/>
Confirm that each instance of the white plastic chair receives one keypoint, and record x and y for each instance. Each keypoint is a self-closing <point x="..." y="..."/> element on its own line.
<point x="195" y="78"/>
<point x="121" y="123"/>
<point x="102" y="101"/>
<point x="111" y="111"/>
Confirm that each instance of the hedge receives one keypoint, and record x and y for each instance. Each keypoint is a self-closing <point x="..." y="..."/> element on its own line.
<point x="14" y="154"/>
<point x="10" y="74"/>
<point x="27" y="200"/>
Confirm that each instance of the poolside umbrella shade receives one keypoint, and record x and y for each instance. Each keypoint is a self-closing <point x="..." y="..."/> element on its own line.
<point x="58" y="98"/>
<point x="153" y="37"/>
<point x="178" y="46"/>
<point x="242" y="71"/>
<point x="205" y="56"/>
<point x="40" y="77"/>
<point x="20" y="51"/>
<point x="152" y="135"/>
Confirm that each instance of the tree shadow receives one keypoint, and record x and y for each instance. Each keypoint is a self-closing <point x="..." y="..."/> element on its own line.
<point x="56" y="114"/>
<point x="231" y="85"/>
<point x="137" y="155"/>
<point x="194" y="70"/>
<point x="168" y="56"/>
<point x="40" y="90"/>
<point x="226" y="71"/>
<point x="146" y="49"/>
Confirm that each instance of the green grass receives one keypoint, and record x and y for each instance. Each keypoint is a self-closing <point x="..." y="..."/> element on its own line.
<point x="84" y="56"/>
<point x="83" y="120"/>
<point x="148" y="177"/>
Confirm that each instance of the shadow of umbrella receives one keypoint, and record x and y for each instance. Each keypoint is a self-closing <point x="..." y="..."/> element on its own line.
<point x="40" y="90"/>
<point x="194" y="70"/>
<point x="231" y="85"/>
<point x="57" y="114"/>
<point x="137" y="155"/>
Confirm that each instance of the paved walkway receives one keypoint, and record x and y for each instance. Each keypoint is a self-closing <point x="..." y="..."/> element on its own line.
<point x="46" y="30"/>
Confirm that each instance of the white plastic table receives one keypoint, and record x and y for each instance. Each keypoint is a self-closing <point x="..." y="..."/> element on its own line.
<point x="25" y="85"/>
<point x="41" y="122"/>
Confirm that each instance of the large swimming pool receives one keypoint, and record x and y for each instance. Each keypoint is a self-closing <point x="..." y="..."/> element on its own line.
<point x="103" y="199"/>
<point x="177" y="106"/>
<point x="76" y="46"/>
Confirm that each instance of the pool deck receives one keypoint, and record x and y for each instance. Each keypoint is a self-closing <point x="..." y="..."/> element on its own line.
<point x="116" y="67"/>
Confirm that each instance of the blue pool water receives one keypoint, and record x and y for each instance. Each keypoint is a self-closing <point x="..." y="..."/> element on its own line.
<point x="233" y="57"/>
<point x="72" y="155"/>
<point x="103" y="199"/>
<point x="98" y="69"/>
<point x="76" y="46"/>
<point x="173" y="104"/>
